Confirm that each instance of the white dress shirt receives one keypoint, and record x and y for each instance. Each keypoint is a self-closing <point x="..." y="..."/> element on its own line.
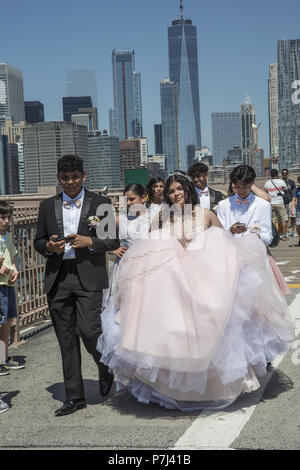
<point x="71" y="218"/>
<point x="253" y="211"/>
<point x="204" y="197"/>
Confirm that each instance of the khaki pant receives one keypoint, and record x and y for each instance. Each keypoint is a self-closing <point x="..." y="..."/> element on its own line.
<point x="279" y="213"/>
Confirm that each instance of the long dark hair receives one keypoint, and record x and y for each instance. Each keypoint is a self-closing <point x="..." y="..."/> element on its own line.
<point x="136" y="188"/>
<point x="190" y="195"/>
<point x="150" y="189"/>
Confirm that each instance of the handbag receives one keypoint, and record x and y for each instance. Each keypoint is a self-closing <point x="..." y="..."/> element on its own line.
<point x="287" y="198"/>
<point x="275" y="235"/>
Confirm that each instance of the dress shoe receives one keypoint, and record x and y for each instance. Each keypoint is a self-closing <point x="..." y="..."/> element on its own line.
<point x="105" y="383"/>
<point x="70" y="406"/>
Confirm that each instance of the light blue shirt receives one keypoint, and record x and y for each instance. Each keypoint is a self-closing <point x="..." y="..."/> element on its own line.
<point x="71" y="218"/>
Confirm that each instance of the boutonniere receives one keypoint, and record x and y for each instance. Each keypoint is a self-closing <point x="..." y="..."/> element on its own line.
<point x="93" y="222"/>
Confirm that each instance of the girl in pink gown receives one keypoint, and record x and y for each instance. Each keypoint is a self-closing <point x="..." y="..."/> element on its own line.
<point x="198" y="314"/>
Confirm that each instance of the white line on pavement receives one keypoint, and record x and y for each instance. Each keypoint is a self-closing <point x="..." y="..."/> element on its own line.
<point x="214" y="430"/>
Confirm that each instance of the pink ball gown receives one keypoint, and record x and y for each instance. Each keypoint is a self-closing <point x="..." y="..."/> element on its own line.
<point x="194" y="323"/>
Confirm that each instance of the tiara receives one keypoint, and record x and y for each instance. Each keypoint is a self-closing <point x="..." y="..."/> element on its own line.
<point x="179" y="173"/>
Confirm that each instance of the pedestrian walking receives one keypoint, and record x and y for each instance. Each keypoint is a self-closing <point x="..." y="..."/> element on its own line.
<point x="296" y="205"/>
<point x="278" y="190"/>
<point x="75" y="273"/>
<point x="291" y="212"/>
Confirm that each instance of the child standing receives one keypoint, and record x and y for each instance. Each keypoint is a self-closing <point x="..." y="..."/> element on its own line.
<point x="8" y="276"/>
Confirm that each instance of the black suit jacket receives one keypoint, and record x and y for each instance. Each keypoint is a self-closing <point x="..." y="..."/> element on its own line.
<point x="215" y="198"/>
<point x="91" y="265"/>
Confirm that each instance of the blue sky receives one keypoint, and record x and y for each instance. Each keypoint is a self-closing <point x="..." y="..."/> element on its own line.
<point x="237" y="41"/>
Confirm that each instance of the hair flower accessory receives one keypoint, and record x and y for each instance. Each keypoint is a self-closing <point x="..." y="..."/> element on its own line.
<point x="93" y="222"/>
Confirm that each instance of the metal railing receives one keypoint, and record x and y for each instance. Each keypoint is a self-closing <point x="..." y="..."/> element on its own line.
<point x="31" y="299"/>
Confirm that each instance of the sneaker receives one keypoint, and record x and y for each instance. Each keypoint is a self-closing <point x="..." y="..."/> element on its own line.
<point x="13" y="364"/>
<point x="295" y="234"/>
<point x="4" y="370"/>
<point x="3" y="406"/>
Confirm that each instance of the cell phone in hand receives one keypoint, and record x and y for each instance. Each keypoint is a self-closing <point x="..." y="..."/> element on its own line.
<point x="69" y="239"/>
<point x="240" y="225"/>
<point x="59" y="239"/>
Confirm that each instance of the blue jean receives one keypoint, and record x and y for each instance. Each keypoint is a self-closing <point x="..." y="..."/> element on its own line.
<point x="8" y="305"/>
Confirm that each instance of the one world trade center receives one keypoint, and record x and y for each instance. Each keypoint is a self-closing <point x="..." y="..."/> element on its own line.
<point x="183" y="69"/>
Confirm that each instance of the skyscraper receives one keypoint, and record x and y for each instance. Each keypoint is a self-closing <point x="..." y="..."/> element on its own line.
<point x="11" y="94"/>
<point x="9" y="171"/>
<point x="130" y="156"/>
<point x="34" y="112"/>
<point x="93" y="114"/>
<point x="12" y="169"/>
<point x="288" y="59"/>
<point x="247" y="119"/>
<point x="158" y="139"/>
<point x="226" y="134"/>
<point x="137" y="94"/>
<point x="44" y="144"/>
<point x="183" y="69"/>
<point x="82" y="119"/>
<point x="72" y="104"/>
<point x="103" y="161"/>
<point x="82" y="82"/>
<point x="169" y="123"/>
<point x="127" y="120"/>
<point x="113" y="123"/>
<point x="273" y="109"/>
<point x="20" y="146"/>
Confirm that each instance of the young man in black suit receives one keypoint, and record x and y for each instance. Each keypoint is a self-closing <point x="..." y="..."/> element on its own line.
<point x="75" y="273"/>
<point x="208" y="197"/>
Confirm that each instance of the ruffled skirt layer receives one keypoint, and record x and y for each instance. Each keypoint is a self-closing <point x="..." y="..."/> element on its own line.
<point x="193" y="328"/>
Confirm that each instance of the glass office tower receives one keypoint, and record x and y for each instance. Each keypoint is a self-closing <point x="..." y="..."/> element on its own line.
<point x="103" y="161"/>
<point x="11" y="94"/>
<point x="169" y="123"/>
<point x="226" y="134"/>
<point x="82" y="82"/>
<point x="288" y="52"/>
<point x="127" y="95"/>
<point x="34" y="112"/>
<point x="72" y="104"/>
<point x="183" y="69"/>
<point x="247" y="114"/>
<point x="137" y="92"/>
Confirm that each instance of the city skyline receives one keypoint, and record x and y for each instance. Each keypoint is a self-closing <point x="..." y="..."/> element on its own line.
<point x="233" y="61"/>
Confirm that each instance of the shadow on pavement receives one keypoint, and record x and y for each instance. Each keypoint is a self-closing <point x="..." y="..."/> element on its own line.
<point x="279" y="383"/>
<point x="125" y="403"/>
<point x="91" y="388"/>
<point x="8" y="396"/>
